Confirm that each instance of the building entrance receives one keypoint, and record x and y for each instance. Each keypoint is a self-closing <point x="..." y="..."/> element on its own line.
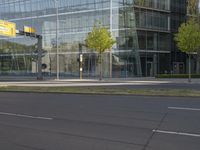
<point x="149" y="69"/>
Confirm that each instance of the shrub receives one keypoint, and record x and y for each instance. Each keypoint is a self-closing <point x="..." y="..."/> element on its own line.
<point x="177" y="76"/>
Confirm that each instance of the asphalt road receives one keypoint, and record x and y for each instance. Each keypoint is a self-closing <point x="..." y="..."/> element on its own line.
<point x="84" y="122"/>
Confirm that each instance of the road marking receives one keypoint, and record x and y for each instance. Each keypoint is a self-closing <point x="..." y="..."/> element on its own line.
<point x="25" y="116"/>
<point x="184" y="108"/>
<point x="177" y="133"/>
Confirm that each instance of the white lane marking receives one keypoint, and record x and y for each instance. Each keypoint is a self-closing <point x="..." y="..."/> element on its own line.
<point x="184" y="108"/>
<point x="177" y="133"/>
<point x="25" y="116"/>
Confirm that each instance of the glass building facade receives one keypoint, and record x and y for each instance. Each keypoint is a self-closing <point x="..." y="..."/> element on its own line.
<point x="143" y="30"/>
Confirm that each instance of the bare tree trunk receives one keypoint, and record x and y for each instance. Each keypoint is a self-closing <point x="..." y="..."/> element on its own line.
<point x="198" y="62"/>
<point x="189" y="77"/>
<point x="100" y="69"/>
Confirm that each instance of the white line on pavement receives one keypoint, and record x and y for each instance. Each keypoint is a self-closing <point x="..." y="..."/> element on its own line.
<point x="24" y="116"/>
<point x="184" y="108"/>
<point x="177" y="133"/>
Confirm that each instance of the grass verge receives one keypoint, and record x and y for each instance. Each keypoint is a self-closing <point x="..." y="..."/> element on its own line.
<point x="104" y="90"/>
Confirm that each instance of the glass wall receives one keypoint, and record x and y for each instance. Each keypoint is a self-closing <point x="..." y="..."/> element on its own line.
<point x="142" y="29"/>
<point x="76" y="19"/>
<point x="154" y="35"/>
<point x="152" y="20"/>
<point x="156" y="4"/>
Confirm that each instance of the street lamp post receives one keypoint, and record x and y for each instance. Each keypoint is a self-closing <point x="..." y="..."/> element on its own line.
<point x="57" y="51"/>
<point x="111" y="24"/>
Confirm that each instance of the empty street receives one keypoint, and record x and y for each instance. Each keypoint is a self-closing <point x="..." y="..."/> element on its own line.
<point x="31" y="121"/>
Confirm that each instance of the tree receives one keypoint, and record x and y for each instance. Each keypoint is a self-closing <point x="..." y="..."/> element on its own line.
<point x="140" y="2"/>
<point x="188" y="39"/>
<point x="99" y="39"/>
<point x="192" y="6"/>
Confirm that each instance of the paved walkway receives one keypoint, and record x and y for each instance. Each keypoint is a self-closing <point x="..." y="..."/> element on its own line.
<point x="95" y="82"/>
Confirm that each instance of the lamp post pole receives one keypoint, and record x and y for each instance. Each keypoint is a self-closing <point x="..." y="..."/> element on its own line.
<point x="111" y="28"/>
<point x="57" y="51"/>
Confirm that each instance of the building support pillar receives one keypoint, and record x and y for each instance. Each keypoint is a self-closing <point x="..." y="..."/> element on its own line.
<point x="39" y="60"/>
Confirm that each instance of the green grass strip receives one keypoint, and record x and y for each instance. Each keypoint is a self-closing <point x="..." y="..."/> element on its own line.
<point x="104" y="90"/>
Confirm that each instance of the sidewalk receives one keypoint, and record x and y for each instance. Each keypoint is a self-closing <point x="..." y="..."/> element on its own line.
<point x="49" y="82"/>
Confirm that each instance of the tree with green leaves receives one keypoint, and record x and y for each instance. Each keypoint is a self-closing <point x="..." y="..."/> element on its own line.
<point x="100" y="40"/>
<point x="140" y="2"/>
<point x="188" y="39"/>
<point x="193" y="6"/>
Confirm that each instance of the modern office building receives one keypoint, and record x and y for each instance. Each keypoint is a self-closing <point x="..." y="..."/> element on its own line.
<point x="143" y="30"/>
